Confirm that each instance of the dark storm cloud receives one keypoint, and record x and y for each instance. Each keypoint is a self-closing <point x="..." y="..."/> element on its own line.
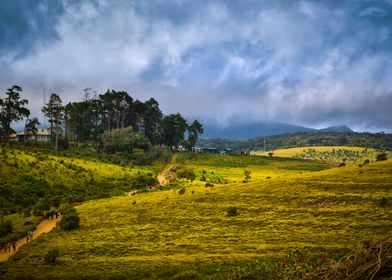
<point x="305" y="62"/>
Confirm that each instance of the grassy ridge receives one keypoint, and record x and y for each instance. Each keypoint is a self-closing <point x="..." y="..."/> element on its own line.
<point x="166" y="235"/>
<point x="29" y="175"/>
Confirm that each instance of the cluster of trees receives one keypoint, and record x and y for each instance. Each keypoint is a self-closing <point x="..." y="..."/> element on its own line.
<point x="113" y="120"/>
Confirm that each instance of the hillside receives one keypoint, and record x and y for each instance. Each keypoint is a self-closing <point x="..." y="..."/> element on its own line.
<point x="36" y="179"/>
<point x="285" y="207"/>
<point x="346" y="154"/>
<point x="356" y="139"/>
<point x="260" y="129"/>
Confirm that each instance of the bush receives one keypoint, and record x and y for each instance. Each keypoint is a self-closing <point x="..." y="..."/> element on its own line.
<point x="207" y="185"/>
<point x="341" y="164"/>
<point x="27" y="212"/>
<point x="51" y="256"/>
<point x="142" y="181"/>
<point x="383" y="202"/>
<point x="182" y="191"/>
<point x="232" y="211"/>
<point x="366" y="161"/>
<point x="5" y="228"/>
<point x="185" y="174"/>
<point x="70" y="219"/>
<point x="381" y="157"/>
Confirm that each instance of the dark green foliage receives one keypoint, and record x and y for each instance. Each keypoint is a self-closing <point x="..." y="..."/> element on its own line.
<point x="185" y="173"/>
<point x="381" y="157"/>
<point x="70" y="219"/>
<point x="209" y="185"/>
<point x="27" y="212"/>
<point x="232" y="211"/>
<point x="363" y="139"/>
<point x="143" y="181"/>
<point x="247" y="175"/>
<point x="174" y="127"/>
<point x="341" y="164"/>
<point x="124" y="140"/>
<point x="11" y="109"/>
<point x="52" y="256"/>
<point x="5" y="228"/>
<point x="194" y="130"/>
<point x="366" y="161"/>
<point x="383" y="202"/>
<point x="182" y="191"/>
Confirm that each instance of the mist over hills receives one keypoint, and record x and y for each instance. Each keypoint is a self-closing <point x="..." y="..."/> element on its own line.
<point x="251" y="130"/>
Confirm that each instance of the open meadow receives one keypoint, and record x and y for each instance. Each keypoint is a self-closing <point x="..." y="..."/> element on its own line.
<point x="346" y="154"/>
<point x="224" y="217"/>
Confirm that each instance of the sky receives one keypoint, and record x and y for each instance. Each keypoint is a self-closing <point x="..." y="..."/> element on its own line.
<point x="311" y="63"/>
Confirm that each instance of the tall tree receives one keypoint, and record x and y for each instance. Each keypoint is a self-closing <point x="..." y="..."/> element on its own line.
<point x="53" y="110"/>
<point x="174" y="127"/>
<point x="116" y="108"/>
<point x="31" y="128"/>
<point x="11" y="109"/>
<point x="194" y="130"/>
<point x="152" y="121"/>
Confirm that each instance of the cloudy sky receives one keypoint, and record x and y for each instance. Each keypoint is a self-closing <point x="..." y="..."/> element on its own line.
<point x="313" y="63"/>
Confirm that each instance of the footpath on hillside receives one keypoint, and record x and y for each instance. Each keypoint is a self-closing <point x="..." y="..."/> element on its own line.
<point x="162" y="176"/>
<point x="44" y="227"/>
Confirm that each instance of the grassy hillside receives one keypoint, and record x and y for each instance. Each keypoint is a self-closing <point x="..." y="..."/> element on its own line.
<point x="325" y="153"/>
<point x="33" y="179"/>
<point x="286" y="205"/>
<point x="303" y="139"/>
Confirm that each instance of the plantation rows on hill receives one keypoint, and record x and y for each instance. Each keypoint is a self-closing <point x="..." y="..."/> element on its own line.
<point x="341" y="154"/>
<point x="370" y="140"/>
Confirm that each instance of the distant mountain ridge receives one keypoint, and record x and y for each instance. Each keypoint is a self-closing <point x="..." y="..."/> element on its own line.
<point x="252" y="130"/>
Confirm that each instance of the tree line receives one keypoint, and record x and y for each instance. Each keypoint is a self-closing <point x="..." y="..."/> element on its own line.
<point x="113" y="121"/>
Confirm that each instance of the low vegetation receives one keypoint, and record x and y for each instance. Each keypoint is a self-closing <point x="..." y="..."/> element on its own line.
<point x="289" y="220"/>
<point x="343" y="154"/>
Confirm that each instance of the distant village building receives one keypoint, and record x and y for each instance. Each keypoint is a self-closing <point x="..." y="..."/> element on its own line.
<point x="43" y="135"/>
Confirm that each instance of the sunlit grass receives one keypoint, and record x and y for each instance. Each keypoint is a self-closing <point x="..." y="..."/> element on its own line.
<point x="147" y="235"/>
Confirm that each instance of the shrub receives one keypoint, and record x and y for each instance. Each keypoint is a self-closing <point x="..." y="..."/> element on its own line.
<point x="381" y="157"/>
<point x="232" y="211"/>
<point x="208" y="185"/>
<point x="70" y="219"/>
<point x="383" y="202"/>
<point x="366" y="161"/>
<point x="142" y="181"/>
<point x="27" y="212"/>
<point x="182" y="191"/>
<point x="341" y="164"/>
<point x="185" y="174"/>
<point x="5" y="228"/>
<point x="51" y="256"/>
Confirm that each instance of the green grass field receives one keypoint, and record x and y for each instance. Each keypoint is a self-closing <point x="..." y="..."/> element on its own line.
<point x="285" y="205"/>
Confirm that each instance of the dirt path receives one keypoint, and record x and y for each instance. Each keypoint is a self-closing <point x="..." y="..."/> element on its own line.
<point x="43" y="227"/>
<point x="165" y="171"/>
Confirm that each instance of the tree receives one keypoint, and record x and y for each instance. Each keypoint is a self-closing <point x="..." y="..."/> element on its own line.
<point x="124" y="140"/>
<point x="53" y="110"/>
<point x="174" y="127"/>
<point x="194" y="130"/>
<point x="116" y="108"/>
<point x="11" y="109"/>
<point x="152" y="121"/>
<point x="31" y="128"/>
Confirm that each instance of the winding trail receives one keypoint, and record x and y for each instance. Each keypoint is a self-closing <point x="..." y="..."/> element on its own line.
<point x="43" y="227"/>
<point x="166" y="171"/>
